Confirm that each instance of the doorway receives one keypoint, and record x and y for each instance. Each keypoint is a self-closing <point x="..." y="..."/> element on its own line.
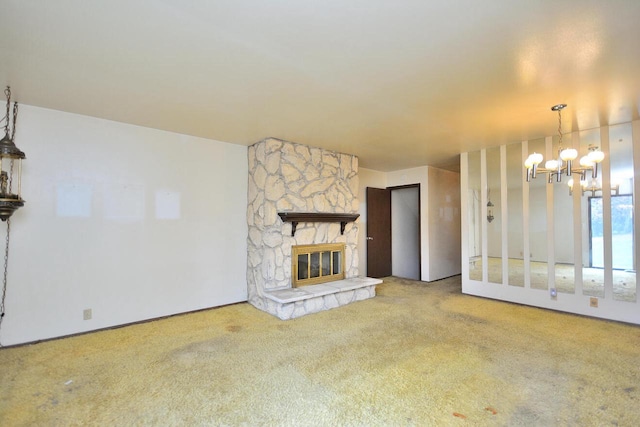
<point x="393" y="232"/>
<point x="405" y="232"/>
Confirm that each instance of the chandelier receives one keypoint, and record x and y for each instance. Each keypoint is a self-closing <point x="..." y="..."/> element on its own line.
<point x="566" y="156"/>
<point x="593" y="187"/>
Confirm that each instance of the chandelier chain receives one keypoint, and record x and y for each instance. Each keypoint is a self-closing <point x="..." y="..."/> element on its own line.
<point x="7" y="93"/>
<point x="559" y="127"/>
<point x="13" y="138"/>
<point x="15" y="114"/>
<point x="6" y="265"/>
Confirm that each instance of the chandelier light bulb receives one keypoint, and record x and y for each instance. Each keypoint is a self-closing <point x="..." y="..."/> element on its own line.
<point x="536" y="158"/>
<point x="586" y="162"/>
<point x="596" y="156"/>
<point x="570" y="183"/>
<point x="551" y="164"/>
<point x="569" y="154"/>
<point x="528" y="163"/>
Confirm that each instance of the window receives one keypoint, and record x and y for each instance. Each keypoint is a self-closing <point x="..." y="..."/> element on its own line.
<point x="621" y="232"/>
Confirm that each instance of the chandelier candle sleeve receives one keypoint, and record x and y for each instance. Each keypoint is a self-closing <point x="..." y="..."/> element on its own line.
<point x="531" y="164"/>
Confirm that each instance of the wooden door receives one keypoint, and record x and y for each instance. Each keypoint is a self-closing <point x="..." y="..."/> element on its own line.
<point x="378" y="232"/>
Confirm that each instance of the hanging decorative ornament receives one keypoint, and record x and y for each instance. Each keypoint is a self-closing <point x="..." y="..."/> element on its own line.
<point x="10" y="165"/>
<point x="10" y="184"/>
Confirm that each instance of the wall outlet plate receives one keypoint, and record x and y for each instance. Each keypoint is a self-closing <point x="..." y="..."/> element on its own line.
<point x="86" y="314"/>
<point x="593" y="302"/>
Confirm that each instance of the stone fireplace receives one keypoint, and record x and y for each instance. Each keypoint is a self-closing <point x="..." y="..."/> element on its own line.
<point x="287" y="178"/>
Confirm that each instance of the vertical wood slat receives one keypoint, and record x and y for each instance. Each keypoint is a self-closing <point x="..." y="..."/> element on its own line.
<point x="551" y="248"/>
<point x="464" y="213"/>
<point x="504" y="213"/>
<point x="483" y="215"/>
<point x="526" y="251"/>
<point x="606" y="213"/>
<point x="635" y="136"/>
<point x="577" y="225"/>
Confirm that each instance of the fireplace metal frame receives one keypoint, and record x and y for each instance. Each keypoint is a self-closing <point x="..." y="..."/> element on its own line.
<point x="320" y="248"/>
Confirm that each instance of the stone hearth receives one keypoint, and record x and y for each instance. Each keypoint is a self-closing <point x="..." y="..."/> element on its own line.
<point x="290" y="177"/>
<point x="288" y="303"/>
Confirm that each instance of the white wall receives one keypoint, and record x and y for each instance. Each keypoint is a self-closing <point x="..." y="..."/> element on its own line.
<point x="130" y="222"/>
<point x="367" y="178"/>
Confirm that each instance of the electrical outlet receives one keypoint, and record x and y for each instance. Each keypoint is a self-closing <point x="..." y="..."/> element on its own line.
<point x="86" y="314"/>
<point x="593" y="302"/>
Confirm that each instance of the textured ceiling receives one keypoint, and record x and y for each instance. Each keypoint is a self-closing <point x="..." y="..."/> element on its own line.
<point x="400" y="84"/>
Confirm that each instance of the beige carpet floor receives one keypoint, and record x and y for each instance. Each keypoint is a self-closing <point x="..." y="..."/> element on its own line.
<point x="416" y="354"/>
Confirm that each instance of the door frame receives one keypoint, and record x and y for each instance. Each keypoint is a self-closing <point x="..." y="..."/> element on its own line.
<point x="391" y="189"/>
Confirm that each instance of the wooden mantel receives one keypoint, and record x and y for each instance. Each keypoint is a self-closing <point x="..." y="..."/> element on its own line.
<point x="295" y="217"/>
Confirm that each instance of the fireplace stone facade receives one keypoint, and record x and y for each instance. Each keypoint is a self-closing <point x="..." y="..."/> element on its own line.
<point x="290" y="177"/>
